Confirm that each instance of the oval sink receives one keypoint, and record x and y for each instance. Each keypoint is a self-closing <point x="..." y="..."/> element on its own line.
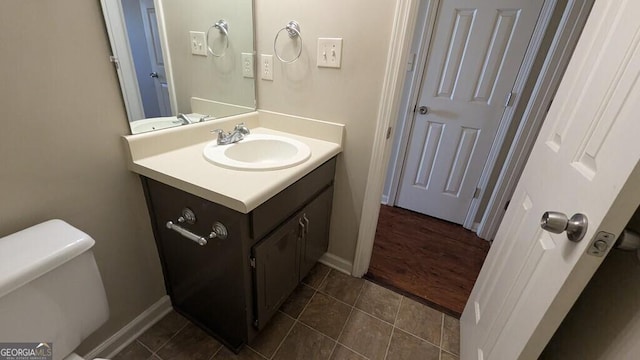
<point x="150" y="124"/>
<point x="258" y="152"/>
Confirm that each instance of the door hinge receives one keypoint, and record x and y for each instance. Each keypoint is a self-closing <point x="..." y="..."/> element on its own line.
<point x="256" y="323"/>
<point x="412" y="62"/>
<point x="388" y="132"/>
<point x="508" y="101"/>
<point x="115" y="61"/>
<point x="415" y="107"/>
<point x="476" y="193"/>
<point x="252" y="262"/>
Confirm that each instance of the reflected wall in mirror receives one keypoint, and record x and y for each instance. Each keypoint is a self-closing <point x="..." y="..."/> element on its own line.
<point x="167" y="65"/>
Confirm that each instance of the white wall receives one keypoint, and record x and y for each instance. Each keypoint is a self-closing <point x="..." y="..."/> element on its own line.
<point x="349" y="95"/>
<point x="604" y="324"/>
<point x="62" y="155"/>
<point x="212" y="78"/>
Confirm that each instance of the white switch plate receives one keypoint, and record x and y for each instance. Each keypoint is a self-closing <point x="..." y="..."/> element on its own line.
<point x="266" y="62"/>
<point x="329" y="52"/>
<point x="198" y="43"/>
<point x="247" y="65"/>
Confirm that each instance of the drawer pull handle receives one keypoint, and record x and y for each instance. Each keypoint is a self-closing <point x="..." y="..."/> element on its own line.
<point x="202" y="241"/>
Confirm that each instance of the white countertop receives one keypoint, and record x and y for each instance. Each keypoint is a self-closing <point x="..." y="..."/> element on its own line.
<point x="174" y="157"/>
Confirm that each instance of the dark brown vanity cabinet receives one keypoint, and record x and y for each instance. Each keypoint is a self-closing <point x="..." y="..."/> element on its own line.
<point x="232" y="286"/>
<point x="285" y="256"/>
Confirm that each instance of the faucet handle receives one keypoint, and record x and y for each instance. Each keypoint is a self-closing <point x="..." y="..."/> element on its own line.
<point x="207" y="117"/>
<point x="242" y="129"/>
<point x="220" y="133"/>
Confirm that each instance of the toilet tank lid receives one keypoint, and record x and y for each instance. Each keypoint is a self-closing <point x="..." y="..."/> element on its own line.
<point x="32" y="252"/>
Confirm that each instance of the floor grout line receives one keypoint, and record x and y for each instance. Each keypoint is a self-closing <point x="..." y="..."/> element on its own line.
<point x="216" y="352"/>
<point x="393" y="329"/>
<point x="441" y="336"/>
<point x="295" y="321"/>
<point x="345" y="323"/>
<point x="170" y="338"/>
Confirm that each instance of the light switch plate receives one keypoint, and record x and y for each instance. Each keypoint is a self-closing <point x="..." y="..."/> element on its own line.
<point x="198" y="42"/>
<point x="247" y="65"/>
<point x="329" y="52"/>
<point x="266" y="67"/>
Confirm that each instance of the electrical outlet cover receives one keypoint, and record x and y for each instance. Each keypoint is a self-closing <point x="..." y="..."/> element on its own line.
<point x="266" y="67"/>
<point x="247" y="65"/>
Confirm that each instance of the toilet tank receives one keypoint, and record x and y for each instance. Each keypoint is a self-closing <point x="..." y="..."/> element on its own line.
<point x="50" y="287"/>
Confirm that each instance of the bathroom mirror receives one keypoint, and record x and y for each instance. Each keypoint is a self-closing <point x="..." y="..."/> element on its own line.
<point x="167" y="67"/>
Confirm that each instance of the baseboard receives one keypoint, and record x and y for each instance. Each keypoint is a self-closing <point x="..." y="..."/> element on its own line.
<point x="385" y="199"/>
<point x="118" y="341"/>
<point x="336" y="262"/>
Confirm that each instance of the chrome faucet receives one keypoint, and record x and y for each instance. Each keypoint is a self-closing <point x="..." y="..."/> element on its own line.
<point x="184" y="119"/>
<point x="206" y="118"/>
<point x="238" y="133"/>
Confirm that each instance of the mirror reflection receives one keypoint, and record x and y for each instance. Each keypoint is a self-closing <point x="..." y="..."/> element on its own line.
<point x="181" y="62"/>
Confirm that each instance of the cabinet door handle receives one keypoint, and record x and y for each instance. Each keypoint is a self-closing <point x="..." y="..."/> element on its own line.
<point x="306" y="223"/>
<point x="201" y="240"/>
<point x="303" y="229"/>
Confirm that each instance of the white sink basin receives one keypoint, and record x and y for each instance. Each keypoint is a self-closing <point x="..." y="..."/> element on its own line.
<point x="144" y="125"/>
<point x="258" y="152"/>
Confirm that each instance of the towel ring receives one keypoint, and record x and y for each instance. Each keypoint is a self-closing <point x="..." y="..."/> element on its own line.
<point x="293" y="29"/>
<point x="223" y="27"/>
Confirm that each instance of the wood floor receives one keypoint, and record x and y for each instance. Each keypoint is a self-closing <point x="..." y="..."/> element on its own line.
<point x="431" y="260"/>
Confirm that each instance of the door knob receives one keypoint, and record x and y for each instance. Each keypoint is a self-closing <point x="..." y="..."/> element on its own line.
<point x="557" y="222"/>
<point x="154" y="75"/>
<point x="423" y="110"/>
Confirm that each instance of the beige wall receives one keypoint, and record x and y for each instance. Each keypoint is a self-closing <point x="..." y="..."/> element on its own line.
<point x="604" y="324"/>
<point x="219" y="79"/>
<point x="349" y="95"/>
<point x="62" y="156"/>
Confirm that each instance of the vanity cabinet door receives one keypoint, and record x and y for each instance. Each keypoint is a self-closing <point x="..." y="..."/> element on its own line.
<point x="276" y="269"/>
<point x="316" y="218"/>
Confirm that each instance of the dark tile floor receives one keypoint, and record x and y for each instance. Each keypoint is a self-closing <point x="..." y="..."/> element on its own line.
<point x="329" y="316"/>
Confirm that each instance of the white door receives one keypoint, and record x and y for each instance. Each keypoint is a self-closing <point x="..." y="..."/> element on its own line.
<point x="475" y="55"/>
<point x="154" y="47"/>
<point x="585" y="160"/>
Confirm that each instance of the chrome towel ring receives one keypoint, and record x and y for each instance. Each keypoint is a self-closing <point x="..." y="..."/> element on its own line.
<point x="223" y="27"/>
<point x="293" y="29"/>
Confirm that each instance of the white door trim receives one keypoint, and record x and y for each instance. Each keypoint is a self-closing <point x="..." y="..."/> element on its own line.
<point x="166" y="54"/>
<point x="117" y="30"/>
<point x="507" y="117"/>
<point x="560" y="51"/>
<point x="402" y="32"/>
<point x="411" y="91"/>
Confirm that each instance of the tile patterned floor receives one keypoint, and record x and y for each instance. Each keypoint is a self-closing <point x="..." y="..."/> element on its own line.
<point x="329" y="316"/>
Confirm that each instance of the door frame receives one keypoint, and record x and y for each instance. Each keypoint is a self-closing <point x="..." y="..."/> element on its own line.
<point x="569" y="31"/>
<point x="412" y="92"/>
<point x="405" y="22"/>
<point x="123" y="59"/>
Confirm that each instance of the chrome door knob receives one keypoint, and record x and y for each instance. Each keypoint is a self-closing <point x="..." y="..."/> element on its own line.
<point x="423" y="110"/>
<point x="557" y="222"/>
<point x="154" y="75"/>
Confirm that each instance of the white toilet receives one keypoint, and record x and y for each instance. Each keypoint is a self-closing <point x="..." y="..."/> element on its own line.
<point x="50" y="287"/>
